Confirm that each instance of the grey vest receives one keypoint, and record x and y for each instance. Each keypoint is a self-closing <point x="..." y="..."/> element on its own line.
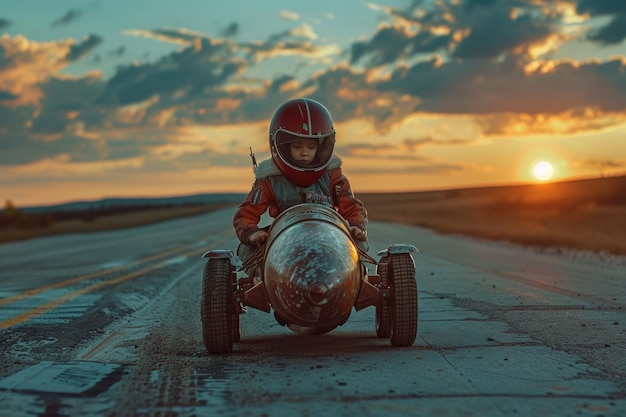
<point x="288" y="194"/>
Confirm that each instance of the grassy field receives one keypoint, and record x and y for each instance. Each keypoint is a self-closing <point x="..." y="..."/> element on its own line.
<point x="584" y="214"/>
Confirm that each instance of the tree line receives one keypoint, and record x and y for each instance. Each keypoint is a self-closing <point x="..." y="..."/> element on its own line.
<point x="12" y="217"/>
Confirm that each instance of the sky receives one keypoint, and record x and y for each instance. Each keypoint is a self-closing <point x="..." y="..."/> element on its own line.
<point x="165" y="98"/>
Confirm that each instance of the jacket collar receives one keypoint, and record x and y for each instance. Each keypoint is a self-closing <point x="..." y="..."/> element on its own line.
<point x="268" y="168"/>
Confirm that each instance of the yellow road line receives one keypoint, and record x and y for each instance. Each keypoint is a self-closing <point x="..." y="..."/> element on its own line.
<point x="74" y="280"/>
<point x="39" y="310"/>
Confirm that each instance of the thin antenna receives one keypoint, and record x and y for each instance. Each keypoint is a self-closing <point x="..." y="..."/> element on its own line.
<point x="254" y="164"/>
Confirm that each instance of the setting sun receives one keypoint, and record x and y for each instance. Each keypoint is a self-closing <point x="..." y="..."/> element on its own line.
<point x="543" y="171"/>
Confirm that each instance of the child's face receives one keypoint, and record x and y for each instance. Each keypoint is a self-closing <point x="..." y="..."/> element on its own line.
<point x="303" y="150"/>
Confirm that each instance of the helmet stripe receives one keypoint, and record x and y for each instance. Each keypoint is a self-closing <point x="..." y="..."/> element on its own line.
<point x="308" y="112"/>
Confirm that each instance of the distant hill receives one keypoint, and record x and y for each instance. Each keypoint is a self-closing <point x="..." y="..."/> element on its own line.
<point x="114" y="203"/>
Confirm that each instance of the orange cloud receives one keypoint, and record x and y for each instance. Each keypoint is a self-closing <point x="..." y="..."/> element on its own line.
<point x="569" y="122"/>
<point x="60" y="167"/>
<point x="30" y="64"/>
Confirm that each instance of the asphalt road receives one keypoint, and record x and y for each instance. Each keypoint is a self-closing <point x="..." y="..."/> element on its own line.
<point x="108" y="324"/>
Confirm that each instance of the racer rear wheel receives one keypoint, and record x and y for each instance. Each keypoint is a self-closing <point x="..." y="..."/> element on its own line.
<point x="403" y="306"/>
<point x="218" y="318"/>
<point x="383" y="315"/>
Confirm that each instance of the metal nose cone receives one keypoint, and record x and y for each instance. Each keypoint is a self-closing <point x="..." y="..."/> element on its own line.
<point x="318" y="293"/>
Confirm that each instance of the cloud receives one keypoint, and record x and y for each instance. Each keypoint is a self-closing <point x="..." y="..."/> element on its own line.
<point x="296" y="41"/>
<point x="79" y="50"/>
<point x="67" y="18"/>
<point x="265" y="51"/>
<point x="471" y="4"/>
<point x="405" y="150"/>
<point x="598" y="164"/>
<point x="79" y="147"/>
<point x="601" y="7"/>
<point x="66" y="102"/>
<point x="566" y="123"/>
<point x="416" y="168"/>
<point x="178" y="36"/>
<point x="48" y="171"/>
<point x="613" y="32"/>
<point x="191" y="71"/>
<point x="514" y="34"/>
<point x="22" y="150"/>
<point x="436" y="58"/>
<point x="480" y="29"/>
<point x="27" y="65"/>
<point x="194" y="78"/>
<point x="415" y="144"/>
<point x="287" y="15"/>
<point x="392" y="43"/>
<point x="4" y="23"/>
<point x="5" y="95"/>
<point x="493" y="57"/>
<point x="13" y="119"/>
<point x="303" y="31"/>
<point x="117" y="52"/>
<point x="475" y="87"/>
<point x="231" y="30"/>
<point x="364" y="149"/>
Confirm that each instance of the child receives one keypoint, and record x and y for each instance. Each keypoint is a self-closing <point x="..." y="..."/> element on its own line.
<point x="302" y="169"/>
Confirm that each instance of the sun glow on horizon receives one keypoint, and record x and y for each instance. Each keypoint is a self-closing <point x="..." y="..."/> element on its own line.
<point x="543" y="171"/>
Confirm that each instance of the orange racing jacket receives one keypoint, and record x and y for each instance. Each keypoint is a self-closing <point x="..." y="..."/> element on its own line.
<point x="274" y="192"/>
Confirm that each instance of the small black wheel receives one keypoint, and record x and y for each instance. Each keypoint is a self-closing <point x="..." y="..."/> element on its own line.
<point x="383" y="316"/>
<point x="401" y="274"/>
<point x="218" y="318"/>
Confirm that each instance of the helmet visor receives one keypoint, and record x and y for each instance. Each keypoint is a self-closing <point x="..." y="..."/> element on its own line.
<point x="304" y="152"/>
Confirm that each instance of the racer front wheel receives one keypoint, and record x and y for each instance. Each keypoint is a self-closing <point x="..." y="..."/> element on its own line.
<point x="218" y="323"/>
<point x="401" y="274"/>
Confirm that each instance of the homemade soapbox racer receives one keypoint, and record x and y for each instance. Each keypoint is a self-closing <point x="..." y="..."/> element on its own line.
<point x="311" y="274"/>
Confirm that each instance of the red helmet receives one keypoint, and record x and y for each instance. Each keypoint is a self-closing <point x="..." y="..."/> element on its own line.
<point x="298" y="120"/>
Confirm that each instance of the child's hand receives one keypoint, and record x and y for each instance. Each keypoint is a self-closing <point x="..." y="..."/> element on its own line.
<point x="258" y="238"/>
<point x="358" y="233"/>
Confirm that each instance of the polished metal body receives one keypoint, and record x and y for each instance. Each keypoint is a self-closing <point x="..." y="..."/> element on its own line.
<point x="311" y="269"/>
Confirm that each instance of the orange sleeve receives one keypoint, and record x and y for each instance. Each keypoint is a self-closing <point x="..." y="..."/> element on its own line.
<point x="351" y="208"/>
<point x="249" y="212"/>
